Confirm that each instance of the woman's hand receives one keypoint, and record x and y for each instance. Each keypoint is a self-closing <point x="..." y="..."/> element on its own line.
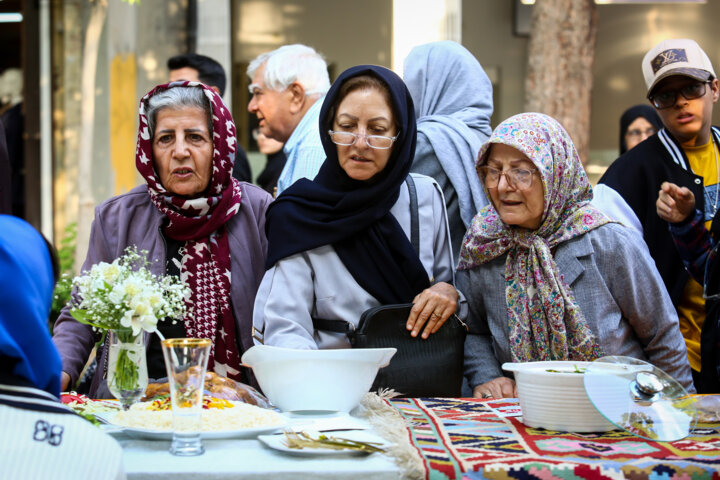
<point x="674" y="204"/>
<point x="431" y="308"/>
<point x="64" y="382"/>
<point x="501" y="387"/>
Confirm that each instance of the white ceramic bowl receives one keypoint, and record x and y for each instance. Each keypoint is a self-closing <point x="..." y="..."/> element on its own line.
<point x="316" y="380"/>
<point x="556" y="401"/>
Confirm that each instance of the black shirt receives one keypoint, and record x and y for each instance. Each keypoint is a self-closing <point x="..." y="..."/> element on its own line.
<point x="155" y="359"/>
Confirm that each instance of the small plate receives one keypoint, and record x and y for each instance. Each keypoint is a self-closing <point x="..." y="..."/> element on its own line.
<point x="277" y="442"/>
<point x="148" y="434"/>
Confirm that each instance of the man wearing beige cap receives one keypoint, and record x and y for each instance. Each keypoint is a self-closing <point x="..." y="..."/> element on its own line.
<point x="682" y="160"/>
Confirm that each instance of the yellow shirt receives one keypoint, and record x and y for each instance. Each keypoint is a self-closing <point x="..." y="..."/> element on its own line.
<point x="691" y="308"/>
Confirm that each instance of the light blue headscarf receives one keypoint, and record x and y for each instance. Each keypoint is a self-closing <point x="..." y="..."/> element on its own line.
<point x="453" y="105"/>
<point x="26" y="286"/>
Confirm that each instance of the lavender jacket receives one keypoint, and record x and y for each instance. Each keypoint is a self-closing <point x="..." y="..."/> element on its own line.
<point x="132" y="219"/>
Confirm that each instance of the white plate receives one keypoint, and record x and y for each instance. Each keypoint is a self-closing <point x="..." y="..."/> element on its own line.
<point x="277" y="442"/>
<point x="251" y="432"/>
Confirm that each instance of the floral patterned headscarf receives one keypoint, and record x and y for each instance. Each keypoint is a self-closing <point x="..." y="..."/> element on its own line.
<point x="200" y="223"/>
<point x="544" y="320"/>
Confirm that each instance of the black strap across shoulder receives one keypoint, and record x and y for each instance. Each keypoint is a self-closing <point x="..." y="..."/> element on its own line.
<point x="414" y="223"/>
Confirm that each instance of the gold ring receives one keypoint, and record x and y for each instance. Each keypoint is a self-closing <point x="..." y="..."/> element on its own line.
<point x="434" y="314"/>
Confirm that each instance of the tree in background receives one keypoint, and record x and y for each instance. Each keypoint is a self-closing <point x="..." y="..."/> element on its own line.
<point x="560" y="65"/>
<point x="86" y="202"/>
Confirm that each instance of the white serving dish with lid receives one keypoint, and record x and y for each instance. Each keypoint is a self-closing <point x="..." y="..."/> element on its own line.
<point x="552" y="396"/>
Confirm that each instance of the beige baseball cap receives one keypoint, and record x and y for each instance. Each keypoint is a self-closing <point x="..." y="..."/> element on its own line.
<point x="679" y="56"/>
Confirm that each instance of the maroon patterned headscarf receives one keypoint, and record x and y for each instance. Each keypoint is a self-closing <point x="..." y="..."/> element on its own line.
<point x="200" y="223"/>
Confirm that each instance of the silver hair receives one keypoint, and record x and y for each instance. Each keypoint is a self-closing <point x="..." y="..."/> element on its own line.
<point x="293" y="63"/>
<point x="175" y="99"/>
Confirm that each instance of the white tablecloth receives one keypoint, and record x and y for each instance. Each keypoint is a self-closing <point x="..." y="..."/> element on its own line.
<point x="247" y="459"/>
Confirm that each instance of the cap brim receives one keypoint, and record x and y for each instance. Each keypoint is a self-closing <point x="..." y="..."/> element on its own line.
<point x="696" y="73"/>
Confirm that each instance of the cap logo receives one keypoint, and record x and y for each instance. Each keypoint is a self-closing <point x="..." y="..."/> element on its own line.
<point x="667" y="57"/>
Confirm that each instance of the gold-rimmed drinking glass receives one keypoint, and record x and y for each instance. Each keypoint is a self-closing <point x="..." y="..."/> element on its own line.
<point x="186" y="361"/>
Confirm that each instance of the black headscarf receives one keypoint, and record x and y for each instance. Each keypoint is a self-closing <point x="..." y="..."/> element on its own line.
<point x="351" y="215"/>
<point x="629" y="116"/>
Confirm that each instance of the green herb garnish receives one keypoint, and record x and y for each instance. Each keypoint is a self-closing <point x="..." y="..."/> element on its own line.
<point x="576" y="370"/>
<point x="300" y="440"/>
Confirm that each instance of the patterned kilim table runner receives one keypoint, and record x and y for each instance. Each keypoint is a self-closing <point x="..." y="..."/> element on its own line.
<point x="474" y="439"/>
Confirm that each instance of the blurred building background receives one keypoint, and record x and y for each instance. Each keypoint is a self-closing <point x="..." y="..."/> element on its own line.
<point x="137" y="38"/>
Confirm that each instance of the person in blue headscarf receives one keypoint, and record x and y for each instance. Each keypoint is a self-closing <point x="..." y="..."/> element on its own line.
<point x="27" y="282"/>
<point x="39" y="435"/>
<point x="340" y="244"/>
<point x="453" y="105"/>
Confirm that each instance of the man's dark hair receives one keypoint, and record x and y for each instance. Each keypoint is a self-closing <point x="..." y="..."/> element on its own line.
<point x="210" y="72"/>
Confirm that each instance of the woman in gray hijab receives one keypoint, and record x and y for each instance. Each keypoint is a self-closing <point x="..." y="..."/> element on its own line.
<point x="453" y="105"/>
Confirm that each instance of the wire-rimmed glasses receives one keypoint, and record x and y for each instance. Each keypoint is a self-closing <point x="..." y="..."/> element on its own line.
<point x="379" y="142"/>
<point x="520" y="178"/>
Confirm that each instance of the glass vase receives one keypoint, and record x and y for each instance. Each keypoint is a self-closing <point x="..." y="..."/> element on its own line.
<point x="127" y="375"/>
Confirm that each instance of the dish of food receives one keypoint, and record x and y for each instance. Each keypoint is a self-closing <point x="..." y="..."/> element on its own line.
<point x="220" y="419"/>
<point x="280" y="442"/>
<point x="216" y="386"/>
<point x="87" y="407"/>
<point x="552" y="396"/>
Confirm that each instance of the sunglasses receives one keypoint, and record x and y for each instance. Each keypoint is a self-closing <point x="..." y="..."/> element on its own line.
<point x="668" y="98"/>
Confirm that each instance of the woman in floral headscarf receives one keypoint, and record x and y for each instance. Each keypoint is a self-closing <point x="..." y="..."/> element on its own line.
<point x="576" y="286"/>
<point x="194" y="220"/>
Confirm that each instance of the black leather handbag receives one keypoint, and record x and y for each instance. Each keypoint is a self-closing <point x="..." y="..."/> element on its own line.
<point x="431" y="367"/>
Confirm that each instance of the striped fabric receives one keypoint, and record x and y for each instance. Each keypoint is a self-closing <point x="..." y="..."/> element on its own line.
<point x="40" y="439"/>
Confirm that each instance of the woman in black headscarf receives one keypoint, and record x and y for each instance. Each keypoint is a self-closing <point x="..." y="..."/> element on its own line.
<point x="636" y="124"/>
<point x="340" y="244"/>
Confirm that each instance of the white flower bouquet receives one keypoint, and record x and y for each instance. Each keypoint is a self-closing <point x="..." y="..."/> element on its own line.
<point x="127" y="299"/>
<point x="125" y="295"/>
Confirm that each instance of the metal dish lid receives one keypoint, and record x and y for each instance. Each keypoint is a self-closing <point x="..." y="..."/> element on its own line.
<point x="639" y="398"/>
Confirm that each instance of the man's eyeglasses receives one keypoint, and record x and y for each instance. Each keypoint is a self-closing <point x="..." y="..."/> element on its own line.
<point x="637" y="133"/>
<point x="520" y="178"/>
<point x="379" y="142"/>
<point x="689" y="92"/>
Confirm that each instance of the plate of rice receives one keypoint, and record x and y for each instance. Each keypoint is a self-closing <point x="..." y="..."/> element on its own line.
<point x="220" y="419"/>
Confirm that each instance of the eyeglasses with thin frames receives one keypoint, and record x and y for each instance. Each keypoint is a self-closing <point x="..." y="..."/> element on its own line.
<point x="379" y="142"/>
<point x="637" y="133"/>
<point x="520" y="178"/>
<point x="689" y="92"/>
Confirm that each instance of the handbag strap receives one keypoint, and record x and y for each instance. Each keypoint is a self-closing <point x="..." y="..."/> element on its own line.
<point x="414" y="223"/>
<point x="337" y="326"/>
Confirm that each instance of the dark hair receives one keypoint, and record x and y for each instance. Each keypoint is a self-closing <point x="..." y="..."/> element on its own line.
<point x="363" y="82"/>
<point x="210" y="72"/>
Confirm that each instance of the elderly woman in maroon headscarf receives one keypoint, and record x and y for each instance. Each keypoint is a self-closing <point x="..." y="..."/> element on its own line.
<point x="195" y="221"/>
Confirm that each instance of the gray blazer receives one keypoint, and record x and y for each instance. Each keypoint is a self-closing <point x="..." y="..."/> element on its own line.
<point x="617" y="287"/>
